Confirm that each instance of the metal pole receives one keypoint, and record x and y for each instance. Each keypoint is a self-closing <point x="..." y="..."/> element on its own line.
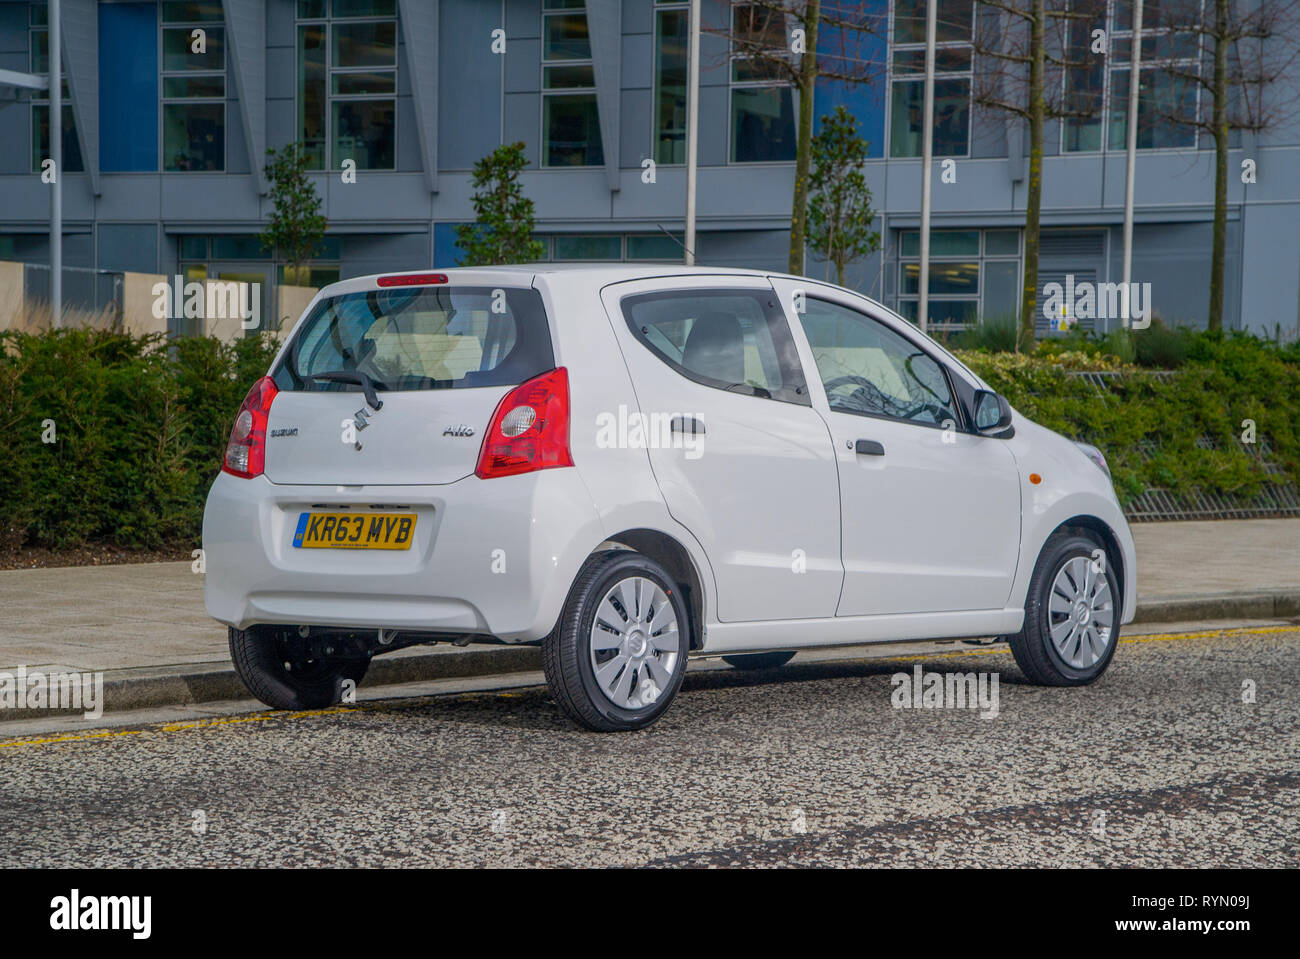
<point x="56" y="154"/>
<point x="927" y="160"/>
<point x="692" y="126"/>
<point x="1134" y="78"/>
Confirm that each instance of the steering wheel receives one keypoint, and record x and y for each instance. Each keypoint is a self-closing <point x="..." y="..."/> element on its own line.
<point x="868" y="396"/>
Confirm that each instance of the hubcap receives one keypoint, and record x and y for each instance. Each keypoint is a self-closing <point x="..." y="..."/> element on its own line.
<point x="1081" y="612"/>
<point x="634" y="643"/>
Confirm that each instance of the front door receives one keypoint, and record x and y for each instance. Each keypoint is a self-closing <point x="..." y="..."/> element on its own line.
<point x="931" y="511"/>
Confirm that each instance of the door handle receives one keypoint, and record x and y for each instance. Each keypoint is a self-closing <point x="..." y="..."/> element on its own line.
<point x="686" y="424"/>
<point x="868" y="448"/>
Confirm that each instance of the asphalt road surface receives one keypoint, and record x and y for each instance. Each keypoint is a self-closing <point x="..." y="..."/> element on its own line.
<point x="1160" y="763"/>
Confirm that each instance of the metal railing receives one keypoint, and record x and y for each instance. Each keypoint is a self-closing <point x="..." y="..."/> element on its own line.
<point x="92" y="290"/>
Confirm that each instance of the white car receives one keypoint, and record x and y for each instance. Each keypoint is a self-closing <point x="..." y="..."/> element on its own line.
<point x="633" y="465"/>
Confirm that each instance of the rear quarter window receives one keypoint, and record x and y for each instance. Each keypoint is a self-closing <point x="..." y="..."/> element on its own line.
<point x="421" y="338"/>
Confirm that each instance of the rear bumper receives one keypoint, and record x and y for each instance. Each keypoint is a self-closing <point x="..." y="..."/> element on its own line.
<point x="492" y="557"/>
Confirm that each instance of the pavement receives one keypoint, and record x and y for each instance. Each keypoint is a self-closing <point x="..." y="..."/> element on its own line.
<point x="1182" y="755"/>
<point x="145" y="627"/>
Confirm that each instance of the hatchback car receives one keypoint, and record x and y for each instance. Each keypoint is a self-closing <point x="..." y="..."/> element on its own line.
<point x="633" y="466"/>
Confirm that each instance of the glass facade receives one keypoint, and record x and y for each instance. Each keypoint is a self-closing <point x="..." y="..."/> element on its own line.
<point x="193" y="75"/>
<point x="347" y="83"/>
<point x="570" y="116"/>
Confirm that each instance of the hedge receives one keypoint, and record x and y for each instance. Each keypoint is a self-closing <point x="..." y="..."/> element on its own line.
<point x="1154" y="426"/>
<point x="141" y="425"/>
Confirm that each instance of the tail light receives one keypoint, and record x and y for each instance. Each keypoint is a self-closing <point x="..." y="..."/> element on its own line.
<point x="246" y="451"/>
<point x="529" y="430"/>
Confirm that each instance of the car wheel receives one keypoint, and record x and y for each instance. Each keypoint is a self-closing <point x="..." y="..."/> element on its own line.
<point x="1071" y="614"/>
<point x="759" y="660"/>
<point x="618" y="654"/>
<point x="283" y="674"/>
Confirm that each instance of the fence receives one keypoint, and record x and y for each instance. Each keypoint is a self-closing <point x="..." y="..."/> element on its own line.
<point x="92" y="290"/>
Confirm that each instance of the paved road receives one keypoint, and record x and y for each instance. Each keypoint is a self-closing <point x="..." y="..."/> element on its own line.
<point x="1159" y="763"/>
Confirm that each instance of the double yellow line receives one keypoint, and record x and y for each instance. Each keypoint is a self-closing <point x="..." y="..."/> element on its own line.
<point x="108" y="734"/>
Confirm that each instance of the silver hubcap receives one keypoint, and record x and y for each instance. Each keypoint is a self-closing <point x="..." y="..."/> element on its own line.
<point x="1081" y="613"/>
<point x="634" y="643"/>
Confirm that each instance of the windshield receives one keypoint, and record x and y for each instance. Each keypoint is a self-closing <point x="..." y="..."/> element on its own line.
<point x="420" y="338"/>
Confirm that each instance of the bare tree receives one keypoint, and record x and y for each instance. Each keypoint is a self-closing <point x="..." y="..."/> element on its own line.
<point x="1025" y="49"/>
<point x="1230" y="51"/>
<point x="777" y="40"/>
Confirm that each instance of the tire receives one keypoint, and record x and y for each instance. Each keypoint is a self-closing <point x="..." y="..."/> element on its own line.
<point x="641" y="669"/>
<point x="1085" y="638"/>
<point x="260" y="656"/>
<point x="759" y="660"/>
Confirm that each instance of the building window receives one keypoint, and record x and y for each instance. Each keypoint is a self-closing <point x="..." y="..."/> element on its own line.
<point x="347" y="82"/>
<point x="570" y="118"/>
<point x="201" y="257"/>
<point x="1166" y="89"/>
<point x="952" y="83"/>
<point x="974" y="275"/>
<point x="642" y="247"/>
<point x="762" y="100"/>
<point x="1084" y="76"/>
<point x="193" y="86"/>
<point x="1167" y="96"/>
<point x="39" y="59"/>
<point x="672" y="26"/>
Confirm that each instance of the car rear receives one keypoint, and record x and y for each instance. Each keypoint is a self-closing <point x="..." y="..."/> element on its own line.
<point x="404" y="466"/>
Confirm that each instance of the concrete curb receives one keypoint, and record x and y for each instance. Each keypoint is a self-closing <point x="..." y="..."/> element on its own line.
<point x="152" y="687"/>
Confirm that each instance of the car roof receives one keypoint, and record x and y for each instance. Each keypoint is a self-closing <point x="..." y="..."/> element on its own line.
<point x="523" y="273"/>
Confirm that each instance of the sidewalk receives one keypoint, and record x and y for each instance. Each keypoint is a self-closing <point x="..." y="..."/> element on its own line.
<point x="146" y="625"/>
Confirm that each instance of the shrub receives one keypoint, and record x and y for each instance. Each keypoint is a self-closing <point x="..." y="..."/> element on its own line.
<point x="138" y="429"/>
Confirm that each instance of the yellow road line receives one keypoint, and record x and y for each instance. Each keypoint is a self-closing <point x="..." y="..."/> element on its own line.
<point x="172" y="727"/>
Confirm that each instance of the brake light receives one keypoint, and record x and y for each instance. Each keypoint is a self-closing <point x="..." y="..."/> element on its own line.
<point x="412" y="279"/>
<point x="529" y="430"/>
<point x="246" y="451"/>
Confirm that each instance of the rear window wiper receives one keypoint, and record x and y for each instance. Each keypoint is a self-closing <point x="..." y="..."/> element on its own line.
<point x="355" y="377"/>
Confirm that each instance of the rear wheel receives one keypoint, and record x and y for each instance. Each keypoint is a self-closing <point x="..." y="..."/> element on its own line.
<point x="1071" y="614"/>
<point x="759" y="660"/>
<point x="285" y="674"/>
<point x="618" y="655"/>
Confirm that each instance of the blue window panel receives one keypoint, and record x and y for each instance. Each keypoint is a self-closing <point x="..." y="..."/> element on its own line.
<point x="128" y="87"/>
<point x="866" y="101"/>
<point x="445" y="251"/>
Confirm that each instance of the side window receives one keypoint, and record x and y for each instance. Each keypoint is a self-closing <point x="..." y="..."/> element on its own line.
<point x="867" y="368"/>
<point x="735" y="340"/>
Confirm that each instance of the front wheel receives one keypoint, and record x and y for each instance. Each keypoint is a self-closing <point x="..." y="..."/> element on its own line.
<point x="1071" y="614"/>
<point x="618" y="655"/>
<point x="284" y="674"/>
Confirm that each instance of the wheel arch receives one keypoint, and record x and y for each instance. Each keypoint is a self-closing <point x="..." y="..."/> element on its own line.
<point x="669" y="553"/>
<point x="1085" y="524"/>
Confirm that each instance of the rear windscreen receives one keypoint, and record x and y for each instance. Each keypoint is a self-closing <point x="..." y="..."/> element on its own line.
<point x="421" y="338"/>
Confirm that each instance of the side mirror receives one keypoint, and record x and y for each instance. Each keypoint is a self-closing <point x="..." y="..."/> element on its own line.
<point x="992" y="415"/>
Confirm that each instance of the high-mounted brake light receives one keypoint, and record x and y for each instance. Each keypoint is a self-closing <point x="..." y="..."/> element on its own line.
<point x="529" y="430"/>
<point x="412" y="279"/>
<point x="246" y="451"/>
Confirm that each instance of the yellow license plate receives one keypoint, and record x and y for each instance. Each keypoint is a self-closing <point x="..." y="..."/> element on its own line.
<point x="354" y="530"/>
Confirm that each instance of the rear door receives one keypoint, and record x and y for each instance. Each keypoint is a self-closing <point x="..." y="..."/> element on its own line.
<point x="440" y="358"/>
<point x="743" y="460"/>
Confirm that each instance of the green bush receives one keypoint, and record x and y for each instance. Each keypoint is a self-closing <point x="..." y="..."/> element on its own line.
<point x="139" y="428"/>
<point x="1149" y="425"/>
